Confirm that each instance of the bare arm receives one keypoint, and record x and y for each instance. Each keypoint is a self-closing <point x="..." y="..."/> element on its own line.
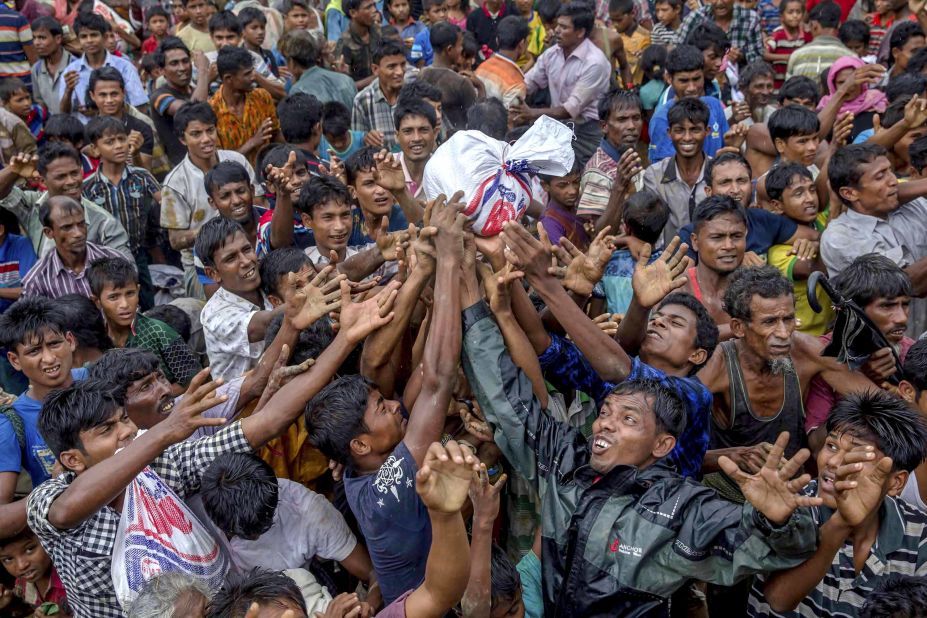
<point x="181" y="239"/>
<point x="257" y="326"/>
<point x="918" y="273"/>
<point x="477" y="600"/>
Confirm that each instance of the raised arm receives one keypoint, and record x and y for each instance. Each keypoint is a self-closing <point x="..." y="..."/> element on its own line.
<point x="477" y="600"/>
<point x="390" y="176"/>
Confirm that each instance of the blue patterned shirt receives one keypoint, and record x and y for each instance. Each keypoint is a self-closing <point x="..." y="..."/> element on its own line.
<point x="566" y="367"/>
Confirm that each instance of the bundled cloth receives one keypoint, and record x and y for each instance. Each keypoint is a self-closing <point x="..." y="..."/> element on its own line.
<point x="494" y="175"/>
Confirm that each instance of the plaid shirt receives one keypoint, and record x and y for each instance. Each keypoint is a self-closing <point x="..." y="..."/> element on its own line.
<point x="130" y="201"/>
<point x="744" y="33"/>
<point x="900" y="547"/>
<point x="83" y="555"/>
<point x="178" y="363"/>
<point x="372" y="112"/>
<point x="566" y="367"/>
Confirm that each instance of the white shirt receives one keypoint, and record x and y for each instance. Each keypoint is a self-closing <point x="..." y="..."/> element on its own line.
<point x="225" y="320"/>
<point x="386" y="271"/>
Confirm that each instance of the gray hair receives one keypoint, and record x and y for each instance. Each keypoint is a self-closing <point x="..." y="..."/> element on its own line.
<point x="160" y="594"/>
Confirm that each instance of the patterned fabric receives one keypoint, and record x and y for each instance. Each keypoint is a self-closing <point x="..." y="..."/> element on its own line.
<point x="51" y="279"/>
<point x="782" y="43"/>
<point x="372" y="112"/>
<point x="131" y="201"/>
<point x="661" y="35"/>
<point x="769" y="15"/>
<point x="28" y="592"/>
<point x="900" y="547"/>
<point x="564" y="364"/>
<point x="83" y="555"/>
<point x="358" y="54"/>
<point x="634" y="46"/>
<point x="816" y="56"/>
<point x="35" y="120"/>
<point x="502" y="79"/>
<point x="14" y="33"/>
<point x="233" y="131"/>
<point x="225" y="320"/>
<point x="743" y="32"/>
<point x="17" y="257"/>
<point x="178" y="362"/>
<point x="878" y="28"/>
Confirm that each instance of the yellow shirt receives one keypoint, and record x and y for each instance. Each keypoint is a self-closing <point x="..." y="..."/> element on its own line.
<point x="634" y="46"/>
<point x="195" y="40"/>
<point x="536" y="36"/>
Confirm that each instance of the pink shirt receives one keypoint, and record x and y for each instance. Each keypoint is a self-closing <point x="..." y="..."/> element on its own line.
<point x="576" y="83"/>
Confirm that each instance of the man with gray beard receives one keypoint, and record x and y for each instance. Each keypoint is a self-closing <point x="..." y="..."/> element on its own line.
<point x="758" y="377"/>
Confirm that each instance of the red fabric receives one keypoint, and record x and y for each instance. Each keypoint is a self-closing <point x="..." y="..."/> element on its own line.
<point x="845" y="7"/>
<point x="149" y="45"/>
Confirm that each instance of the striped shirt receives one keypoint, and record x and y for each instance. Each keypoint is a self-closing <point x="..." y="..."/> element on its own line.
<point x="130" y="201"/>
<point x="900" y="547"/>
<point x="814" y="57"/>
<point x="769" y="15"/>
<point x="781" y="42"/>
<point x="14" y="33"/>
<point x="661" y="35"/>
<point x="51" y="278"/>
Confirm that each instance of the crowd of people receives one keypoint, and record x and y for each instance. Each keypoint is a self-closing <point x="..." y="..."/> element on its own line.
<point x="253" y="366"/>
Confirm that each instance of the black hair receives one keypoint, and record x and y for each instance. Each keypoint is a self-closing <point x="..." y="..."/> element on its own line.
<point x="276" y="264"/>
<point x="190" y="112"/>
<point x="511" y="31"/>
<point x="285" y="6"/>
<point x="86" y="20"/>
<point x="231" y="60"/>
<point x="52" y="25"/>
<point x="301" y="47"/>
<point x="673" y="3"/>
<point x="350" y="5"/>
<point x="845" y="166"/>
<point x="260" y="586"/>
<point x="30" y="318"/>
<point x="894" y="113"/>
<point x="443" y="35"/>
<point x="173" y="316"/>
<point x="668" y="407"/>
<point x="157" y="11"/>
<point x="784" y="4"/>
<point x="169" y="43"/>
<point x="897" y="596"/>
<point x="854" y="30"/>
<point x="414" y="108"/>
<point x="335" y="416"/>
<point x="362" y="160"/>
<point x="67" y="205"/>
<point x="917" y="152"/>
<point x="115" y="271"/>
<point x="915" y="365"/>
<point x="872" y="276"/>
<point x="792" y="121"/>
<point x="653" y="60"/>
<point x="105" y="74"/>
<point x="311" y="342"/>
<point x="548" y="10"/>
<point x="780" y="178"/>
<point x="120" y="367"/>
<point x="65" y="127"/>
<point x="418" y="90"/>
<point x="645" y="214"/>
<point x="319" y="191"/>
<point x="684" y="58"/>
<point x="83" y="320"/>
<point x="277" y="155"/>
<point x="471" y="47"/>
<point x="706" y="330"/>
<point x="240" y="494"/>
<point x="616" y="100"/>
<point x="724" y="159"/>
<point x="336" y="118"/>
<point x="224" y="20"/>
<point x="251" y="14"/>
<point x="897" y="429"/>
<point x="101" y="125"/>
<point x="708" y="35"/>
<point x="905" y="84"/>
<point x="299" y="114"/>
<point x="688" y="108"/>
<point x="716" y="205"/>
<point x="799" y="87"/>
<point x="745" y="283"/>
<point x="225" y="172"/>
<point x="917" y="62"/>
<point x="387" y="47"/>
<point x="488" y="117"/>
<point x="66" y="412"/>
<point x="52" y="151"/>
<point x="757" y="68"/>
<point x="504" y="577"/>
<point x="827" y="14"/>
<point x="212" y="236"/>
<point x="581" y="15"/>
<point x="900" y="35"/>
<point x="622" y="7"/>
<point x="10" y="86"/>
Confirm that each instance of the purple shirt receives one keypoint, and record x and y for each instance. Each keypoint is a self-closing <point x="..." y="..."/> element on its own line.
<point x="559" y="222"/>
<point x="51" y="279"/>
<point x="396" y="609"/>
<point x="576" y="83"/>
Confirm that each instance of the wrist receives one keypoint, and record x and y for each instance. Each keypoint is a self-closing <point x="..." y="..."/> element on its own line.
<point x="483" y="524"/>
<point x="836" y="529"/>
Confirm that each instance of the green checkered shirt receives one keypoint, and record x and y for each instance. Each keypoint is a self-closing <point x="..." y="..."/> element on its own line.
<point x="178" y="362"/>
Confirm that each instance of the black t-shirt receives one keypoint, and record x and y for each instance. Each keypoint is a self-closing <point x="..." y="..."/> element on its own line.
<point x="161" y="100"/>
<point x="483" y="26"/>
<point x="134" y="124"/>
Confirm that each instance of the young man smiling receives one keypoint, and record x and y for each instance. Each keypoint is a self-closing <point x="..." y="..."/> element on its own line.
<point x="375" y="104"/>
<point x="416" y="130"/>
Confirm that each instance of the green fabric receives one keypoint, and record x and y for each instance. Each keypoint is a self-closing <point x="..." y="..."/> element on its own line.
<point x="178" y="362"/>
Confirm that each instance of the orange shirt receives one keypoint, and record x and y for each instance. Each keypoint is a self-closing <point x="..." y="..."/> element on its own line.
<point x="233" y="131"/>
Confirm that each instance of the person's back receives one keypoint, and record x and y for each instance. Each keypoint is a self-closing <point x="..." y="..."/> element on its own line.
<point x="824" y="49"/>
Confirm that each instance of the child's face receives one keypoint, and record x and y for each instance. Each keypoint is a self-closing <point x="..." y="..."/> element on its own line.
<point x="198" y="12"/>
<point x="298" y="18"/>
<point x="25" y="558"/>
<point x="225" y="38"/>
<point x="399" y="9"/>
<point x="236" y="266"/>
<point x="179" y="12"/>
<point x="158" y="26"/>
<point x="109" y="97"/>
<point x="91" y="41"/>
<point x="837" y="445"/>
<point x="119" y="304"/>
<point x="235" y="201"/>
<point x="20" y="103"/>
<point x="437" y="13"/>
<point x="883" y="6"/>
<point x="331" y="224"/>
<point x="800" y="200"/>
<point x="113" y="147"/>
<point x="713" y="59"/>
<point x="254" y="33"/>
<point x="667" y="14"/>
<point x="858" y="47"/>
<point x="621" y="22"/>
<point x="46" y="358"/>
<point x="687" y="138"/>
<point x="45" y="43"/>
<point x="564" y="190"/>
<point x="524" y="6"/>
<point x="110" y="42"/>
<point x="793" y="14"/>
<point x="300" y="177"/>
<point x="200" y="139"/>
<point x="370" y="196"/>
<point x="339" y="143"/>
<point x="509" y="608"/>
<point x="799" y="148"/>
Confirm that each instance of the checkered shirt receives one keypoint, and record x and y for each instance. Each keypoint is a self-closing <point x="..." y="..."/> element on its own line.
<point x="744" y="33"/>
<point x="178" y="363"/>
<point x="372" y="112"/>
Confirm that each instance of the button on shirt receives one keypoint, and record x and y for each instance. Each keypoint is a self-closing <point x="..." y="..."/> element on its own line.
<point x="130" y="201"/>
<point x="45" y="81"/>
<point x="902" y="237"/>
<point x="51" y="278"/>
<point x="663" y="179"/>
<point x="225" y="320"/>
<point x="576" y="82"/>
<point x="135" y="93"/>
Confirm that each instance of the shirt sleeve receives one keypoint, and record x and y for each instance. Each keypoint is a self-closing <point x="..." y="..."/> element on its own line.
<point x="135" y="93"/>
<point x="226" y="331"/>
<point x="181" y="466"/>
<point x="591" y="85"/>
<point x="25" y="32"/>
<point x="661" y="146"/>
<point x="175" y="211"/>
<point x="768" y="229"/>
<point x="537" y="79"/>
<point x="323" y="531"/>
<point x="11" y="456"/>
<point x="147" y="139"/>
<point x="26" y="256"/>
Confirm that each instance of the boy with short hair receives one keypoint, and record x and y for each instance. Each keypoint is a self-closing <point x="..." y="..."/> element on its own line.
<point x="129" y="193"/>
<point x="15" y="135"/>
<point x="359" y="40"/>
<point x="37" y="583"/>
<point x="253" y="24"/>
<point x="337" y="136"/>
<point x="668" y="14"/>
<point x="225" y="30"/>
<point x="536" y="33"/>
<point x="48" y="37"/>
<point x="633" y="36"/>
<point x="785" y="39"/>
<point x="17" y="99"/>
<point x="854" y="33"/>
<point x="559" y="218"/>
<point x="115" y="289"/>
<point x="374" y="105"/>
<point x="158" y="22"/>
<point x="195" y="34"/>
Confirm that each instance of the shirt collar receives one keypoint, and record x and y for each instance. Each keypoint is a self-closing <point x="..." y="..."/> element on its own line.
<point x="107" y="61"/>
<point x="486" y="12"/>
<point x="862" y="222"/>
<point x="579" y="52"/>
<point x="671" y="173"/>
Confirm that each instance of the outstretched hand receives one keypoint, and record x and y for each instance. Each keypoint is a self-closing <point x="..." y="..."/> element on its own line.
<point x="187" y="416"/>
<point x="526" y="253"/>
<point x="443" y="481"/>
<point x="652" y="282"/>
<point x="772" y="491"/>
<point x="583" y="270"/>
<point x="859" y="486"/>
<point x="315" y="300"/>
<point x="497" y="285"/>
<point x="358" y="320"/>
